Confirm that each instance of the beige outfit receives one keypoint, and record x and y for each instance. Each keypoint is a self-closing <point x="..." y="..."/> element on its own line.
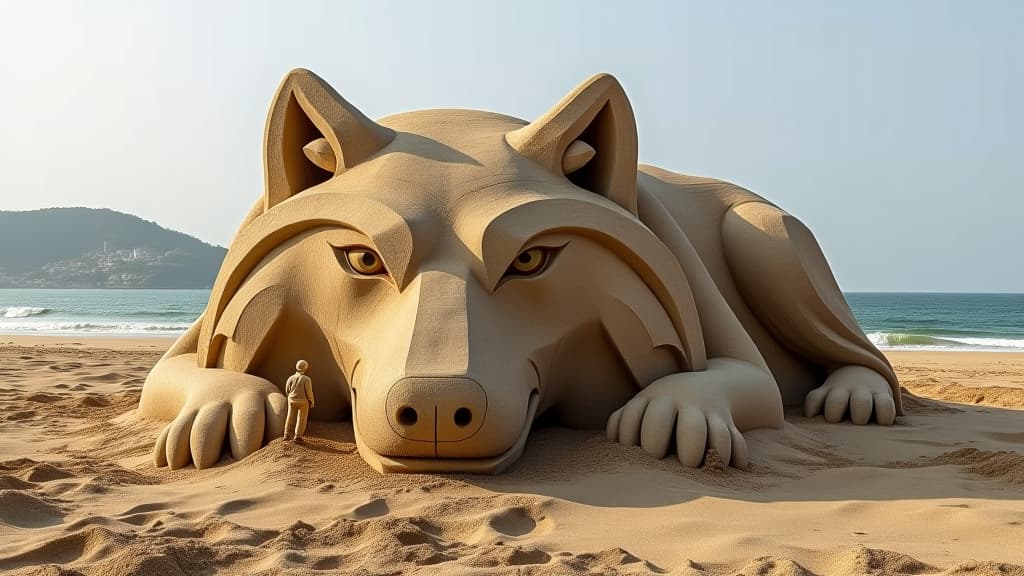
<point x="299" y="389"/>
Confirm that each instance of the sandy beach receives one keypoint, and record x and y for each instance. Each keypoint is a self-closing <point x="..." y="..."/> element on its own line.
<point x="942" y="492"/>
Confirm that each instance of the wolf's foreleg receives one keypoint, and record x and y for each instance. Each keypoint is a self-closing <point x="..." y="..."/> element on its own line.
<point x="206" y="406"/>
<point x="862" y="390"/>
<point x="706" y="409"/>
<point x="785" y="280"/>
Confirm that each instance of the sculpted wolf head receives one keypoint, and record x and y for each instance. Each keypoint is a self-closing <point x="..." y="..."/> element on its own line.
<point x="450" y="275"/>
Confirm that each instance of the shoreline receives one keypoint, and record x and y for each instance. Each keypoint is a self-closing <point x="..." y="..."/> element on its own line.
<point x="100" y="341"/>
<point x="164" y="341"/>
<point x="92" y="339"/>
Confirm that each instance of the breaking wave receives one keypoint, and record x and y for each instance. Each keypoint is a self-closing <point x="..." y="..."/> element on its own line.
<point x="897" y="340"/>
<point x="72" y="327"/>
<point x="22" y="311"/>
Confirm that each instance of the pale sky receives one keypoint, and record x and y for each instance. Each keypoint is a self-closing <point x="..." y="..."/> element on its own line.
<point x="895" y="130"/>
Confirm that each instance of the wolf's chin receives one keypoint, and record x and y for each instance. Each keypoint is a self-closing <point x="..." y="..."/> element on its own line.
<point x="489" y="465"/>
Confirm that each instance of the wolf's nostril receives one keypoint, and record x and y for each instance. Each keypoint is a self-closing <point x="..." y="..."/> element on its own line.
<point x="407" y="416"/>
<point x="463" y="417"/>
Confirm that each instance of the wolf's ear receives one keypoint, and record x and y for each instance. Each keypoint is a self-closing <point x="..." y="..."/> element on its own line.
<point x="590" y="136"/>
<point x="313" y="134"/>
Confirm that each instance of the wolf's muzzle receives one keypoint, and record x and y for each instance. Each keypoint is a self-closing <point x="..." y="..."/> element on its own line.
<point x="436" y="409"/>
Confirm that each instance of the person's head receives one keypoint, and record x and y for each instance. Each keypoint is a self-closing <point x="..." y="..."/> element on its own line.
<point x="301" y="366"/>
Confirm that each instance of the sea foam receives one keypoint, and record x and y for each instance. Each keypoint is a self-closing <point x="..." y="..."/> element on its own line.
<point x="72" y="327"/>
<point x="22" y="311"/>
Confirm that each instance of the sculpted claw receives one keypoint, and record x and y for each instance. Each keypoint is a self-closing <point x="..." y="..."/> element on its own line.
<point x="853" y="391"/>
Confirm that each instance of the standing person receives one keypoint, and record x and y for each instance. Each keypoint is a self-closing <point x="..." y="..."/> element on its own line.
<point x="299" y="389"/>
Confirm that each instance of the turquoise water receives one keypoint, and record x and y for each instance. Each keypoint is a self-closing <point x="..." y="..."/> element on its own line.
<point x="891" y="320"/>
<point x="115" y="312"/>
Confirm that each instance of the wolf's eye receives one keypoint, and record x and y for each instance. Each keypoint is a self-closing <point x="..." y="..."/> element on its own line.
<point x="365" y="261"/>
<point x="529" y="262"/>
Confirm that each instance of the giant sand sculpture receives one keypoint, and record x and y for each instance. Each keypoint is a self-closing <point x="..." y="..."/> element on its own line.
<point x="450" y="275"/>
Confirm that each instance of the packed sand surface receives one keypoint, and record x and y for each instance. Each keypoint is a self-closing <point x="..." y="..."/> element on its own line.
<point x="942" y="492"/>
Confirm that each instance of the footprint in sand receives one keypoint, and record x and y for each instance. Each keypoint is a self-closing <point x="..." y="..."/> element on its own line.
<point x="517" y="521"/>
<point x="510" y="522"/>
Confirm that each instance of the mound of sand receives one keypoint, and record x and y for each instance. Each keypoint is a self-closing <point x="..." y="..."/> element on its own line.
<point x="22" y="510"/>
<point x="1006" y="466"/>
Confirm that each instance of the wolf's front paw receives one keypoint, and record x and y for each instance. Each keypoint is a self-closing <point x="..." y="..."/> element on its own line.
<point x="694" y="408"/>
<point x="242" y="408"/>
<point x="856" y="390"/>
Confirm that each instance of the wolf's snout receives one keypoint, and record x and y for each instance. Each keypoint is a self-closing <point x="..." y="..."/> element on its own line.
<point x="432" y="409"/>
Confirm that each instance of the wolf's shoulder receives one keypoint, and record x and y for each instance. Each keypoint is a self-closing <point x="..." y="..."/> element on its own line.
<point x="697" y="190"/>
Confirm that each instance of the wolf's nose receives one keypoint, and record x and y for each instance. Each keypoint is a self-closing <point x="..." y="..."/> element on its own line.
<point x="436" y="409"/>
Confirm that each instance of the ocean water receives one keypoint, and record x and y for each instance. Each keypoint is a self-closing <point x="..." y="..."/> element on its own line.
<point x="101" y="312"/>
<point x="941" y="321"/>
<point x="891" y="320"/>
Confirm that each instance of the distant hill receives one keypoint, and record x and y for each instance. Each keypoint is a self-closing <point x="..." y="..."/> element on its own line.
<point x="100" y="248"/>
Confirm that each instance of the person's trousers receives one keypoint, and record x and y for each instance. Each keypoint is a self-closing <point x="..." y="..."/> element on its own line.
<point x="295" y="423"/>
